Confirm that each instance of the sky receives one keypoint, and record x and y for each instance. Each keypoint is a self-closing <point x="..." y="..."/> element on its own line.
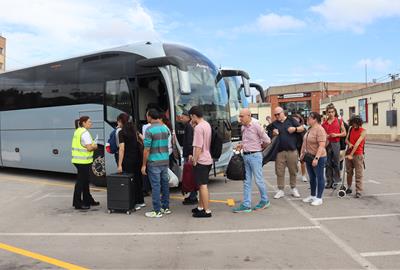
<point x="276" y="41"/>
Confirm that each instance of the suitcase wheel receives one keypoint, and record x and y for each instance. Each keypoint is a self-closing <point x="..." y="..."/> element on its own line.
<point x="110" y="211"/>
<point x="128" y="212"/>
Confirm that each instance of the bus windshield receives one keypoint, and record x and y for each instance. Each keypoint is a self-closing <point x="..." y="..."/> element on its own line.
<point x="205" y="91"/>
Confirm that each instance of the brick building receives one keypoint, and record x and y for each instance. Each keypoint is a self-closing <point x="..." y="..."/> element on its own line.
<point x="306" y="97"/>
<point x="2" y="54"/>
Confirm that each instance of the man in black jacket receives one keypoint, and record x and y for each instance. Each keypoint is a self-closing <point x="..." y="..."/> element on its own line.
<point x="187" y="146"/>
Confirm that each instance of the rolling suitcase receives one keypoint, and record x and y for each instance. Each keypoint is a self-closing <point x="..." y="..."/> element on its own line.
<point x="120" y="193"/>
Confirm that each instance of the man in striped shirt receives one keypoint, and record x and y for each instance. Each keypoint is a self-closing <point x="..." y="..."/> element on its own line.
<point x="156" y="161"/>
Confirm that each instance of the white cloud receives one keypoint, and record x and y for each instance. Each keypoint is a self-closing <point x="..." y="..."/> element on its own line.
<point x="377" y="64"/>
<point x="275" y="23"/>
<point x="45" y="30"/>
<point x="272" y="23"/>
<point x="356" y="14"/>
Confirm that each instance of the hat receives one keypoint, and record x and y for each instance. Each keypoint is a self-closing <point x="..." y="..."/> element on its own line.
<point x="185" y="112"/>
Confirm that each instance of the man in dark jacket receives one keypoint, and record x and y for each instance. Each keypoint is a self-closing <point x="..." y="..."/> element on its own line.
<point x="187" y="150"/>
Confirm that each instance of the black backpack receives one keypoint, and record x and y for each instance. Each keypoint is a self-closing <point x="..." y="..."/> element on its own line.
<point x="343" y="139"/>
<point x="216" y="145"/>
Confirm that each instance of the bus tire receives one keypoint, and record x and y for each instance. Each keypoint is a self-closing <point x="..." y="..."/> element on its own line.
<point x="98" y="171"/>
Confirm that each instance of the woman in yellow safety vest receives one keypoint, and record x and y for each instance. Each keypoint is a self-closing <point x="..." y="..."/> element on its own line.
<point x="83" y="147"/>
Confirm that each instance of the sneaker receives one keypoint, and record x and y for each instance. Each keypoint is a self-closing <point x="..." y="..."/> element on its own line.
<point x="295" y="193"/>
<point x="316" y="202"/>
<point x="261" y="205"/>
<point x="358" y="195"/>
<point x="142" y="205"/>
<point x="241" y="209"/>
<point x="309" y="199"/>
<point x="153" y="214"/>
<point x="202" y="214"/>
<point x="188" y="201"/>
<point x="196" y="209"/>
<point x="304" y="179"/>
<point x="279" y="194"/>
<point x="349" y="191"/>
<point x="137" y="207"/>
<point x="165" y="211"/>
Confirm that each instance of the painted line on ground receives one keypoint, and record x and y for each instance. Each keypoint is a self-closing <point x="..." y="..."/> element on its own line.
<point x="299" y="228"/>
<point x="373" y="182"/>
<point x="229" y="201"/>
<point x="356" y="217"/>
<point x="33" y="194"/>
<point x="40" y="198"/>
<point x="339" y="242"/>
<point x="48" y="183"/>
<point x="381" y="253"/>
<point x="350" y="196"/>
<point x="40" y="257"/>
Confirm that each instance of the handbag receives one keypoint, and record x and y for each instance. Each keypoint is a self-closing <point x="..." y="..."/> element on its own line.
<point x="236" y="169"/>
<point x="308" y="158"/>
<point x="188" y="182"/>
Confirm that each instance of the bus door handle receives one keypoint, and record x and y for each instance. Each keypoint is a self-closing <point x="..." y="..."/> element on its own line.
<point x="55" y="151"/>
<point x="16" y="149"/>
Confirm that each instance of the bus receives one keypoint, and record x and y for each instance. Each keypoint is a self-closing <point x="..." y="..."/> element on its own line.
<point x="238" y="94"/>
<point x="38" y="105"/>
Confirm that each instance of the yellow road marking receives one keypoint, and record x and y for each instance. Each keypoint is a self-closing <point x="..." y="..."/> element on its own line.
<point x="40" y="257"/>
<point x="229" y="202"/>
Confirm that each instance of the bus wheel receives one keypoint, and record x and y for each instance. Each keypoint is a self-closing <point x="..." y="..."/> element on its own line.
<point x="98" y="171"/>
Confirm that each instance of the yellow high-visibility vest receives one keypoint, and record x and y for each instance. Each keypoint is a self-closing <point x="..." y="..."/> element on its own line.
<point x="80" y="155"/>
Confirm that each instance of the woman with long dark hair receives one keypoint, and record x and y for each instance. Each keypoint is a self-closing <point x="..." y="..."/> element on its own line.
<point x="130" y="157"/>
<point x="83" y="148"/>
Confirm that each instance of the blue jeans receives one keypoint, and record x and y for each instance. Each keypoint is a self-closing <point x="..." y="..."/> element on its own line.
<point x="158" y="176"/>
<point x="317" y="179"/>
<point x="253" y="167"/>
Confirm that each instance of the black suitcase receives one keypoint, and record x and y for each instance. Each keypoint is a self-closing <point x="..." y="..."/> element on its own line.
<point x="120" y="193"/>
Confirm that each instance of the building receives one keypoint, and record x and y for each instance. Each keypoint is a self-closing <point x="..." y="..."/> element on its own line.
<point x="2" y="54"/>
<point x="260" y="111"/>
<point x="306" y="97"/>
<point x="377" y="105"/>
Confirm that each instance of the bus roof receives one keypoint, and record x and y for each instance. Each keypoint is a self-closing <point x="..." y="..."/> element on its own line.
<point x="147" y="49"/>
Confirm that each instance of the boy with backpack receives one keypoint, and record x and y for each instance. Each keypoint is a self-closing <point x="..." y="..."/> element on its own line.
<point x="113" y="140"/>
<point x="202" y="160"/>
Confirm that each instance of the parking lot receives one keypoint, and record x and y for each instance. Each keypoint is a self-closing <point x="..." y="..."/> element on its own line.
<point x="39" y="229"/>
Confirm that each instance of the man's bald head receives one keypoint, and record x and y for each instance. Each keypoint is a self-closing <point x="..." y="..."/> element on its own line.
<point x="245" y="111"/>
<point x="245" y="116"/>
<point x="278" y="110"/>
<point x="279" y="114"/>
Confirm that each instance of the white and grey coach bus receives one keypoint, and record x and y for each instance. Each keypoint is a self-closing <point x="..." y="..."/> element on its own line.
<point x="38" y="105"/>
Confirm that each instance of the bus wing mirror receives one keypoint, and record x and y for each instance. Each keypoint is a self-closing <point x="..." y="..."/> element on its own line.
<point x="259" y="89"/>
<point x="246" y="86"/>
<point x="184" y="82"/>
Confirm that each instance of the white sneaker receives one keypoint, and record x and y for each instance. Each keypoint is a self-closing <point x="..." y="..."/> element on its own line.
<point x="279" y="194"/>
<point x="316" y="202"/>
<point x="304" y="179"/>
<point x="295" y="193"/>
<point x="309" y="199"/>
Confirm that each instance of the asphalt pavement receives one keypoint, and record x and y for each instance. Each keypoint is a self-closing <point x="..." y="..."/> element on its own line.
<point x="39" y="229"/>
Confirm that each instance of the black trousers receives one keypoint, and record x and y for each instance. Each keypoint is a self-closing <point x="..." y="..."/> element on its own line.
<point x="82" y="186"/>
<point x="137" y="191"/>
